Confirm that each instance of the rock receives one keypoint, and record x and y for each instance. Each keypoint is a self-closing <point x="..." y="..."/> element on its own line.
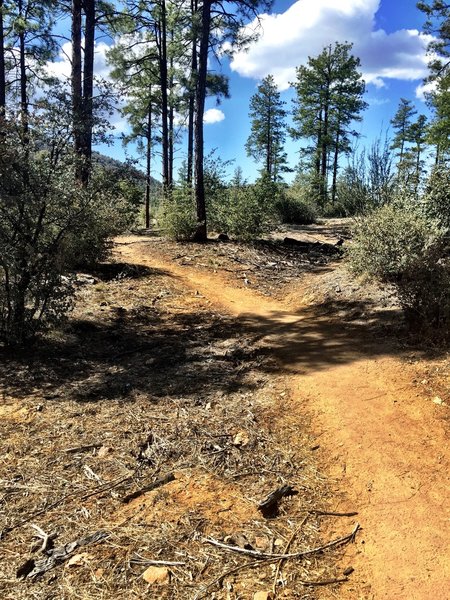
<point x="159" y="575"/>
<point x="438" y="400"/>
<point x="241" y="439"/>
<point x="262" y="596"/>
<point x="78" y="560"/>
<point x="104" y="451"/>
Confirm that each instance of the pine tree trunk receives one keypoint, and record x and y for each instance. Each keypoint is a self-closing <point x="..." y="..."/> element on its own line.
<point x="170" y="128"/>
<point x="76" y="82"/>
<point x="23" y="78"/>
<point x="2" y="66"/>
<point x="149" y="163"/>
<point x="335" y="166"/>
<point x="88" y="88"/>
<point x="191" y="108"/>
<point x="162" y="59"/>
<point x="201" y="233"/>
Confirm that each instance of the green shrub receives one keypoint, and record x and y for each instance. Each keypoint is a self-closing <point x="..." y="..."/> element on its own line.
<point x="400" y="246"/>
<point x="436" y="199"/>
<point x="48" y="224"/>
<point x="177" y="216"/>
<point x="295" y="211"/>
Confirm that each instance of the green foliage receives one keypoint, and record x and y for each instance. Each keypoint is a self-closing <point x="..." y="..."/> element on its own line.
<point x="437" y="197"/>
<point x="268" y="129"/>
<point x="329" y="97"/>
<point x="177" y="215"/>
<point x="48" y="224"/>
<point x="400" y="246"/>
<point x="295" y="205"/>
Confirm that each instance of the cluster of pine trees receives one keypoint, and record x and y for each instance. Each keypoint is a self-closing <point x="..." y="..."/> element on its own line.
<point x="160" y="64"/>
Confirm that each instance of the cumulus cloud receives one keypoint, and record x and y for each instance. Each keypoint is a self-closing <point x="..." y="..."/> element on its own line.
<point x="213" y="115"/>
<point x="60" y="68"/>
<point x="287" y="39"/>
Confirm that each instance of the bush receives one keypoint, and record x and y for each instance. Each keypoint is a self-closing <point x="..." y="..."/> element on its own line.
<point x="400" y="246"/>
<point x="295" y="211"/>
<point x="48" y="223"/>
<point x="436" y="199"/>
<point x="177" y="215"/>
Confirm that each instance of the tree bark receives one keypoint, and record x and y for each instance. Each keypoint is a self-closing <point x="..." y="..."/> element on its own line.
<point x="335" y="165"/>
<point x="201" y="233"/>
<point x="76" y="82"/>
<point x="149" y="161"/>
<point x="2" y="66"/>
<point x="161" y="43"/>
<point x="191" y="108"/>
<point x="23" y="78"/>
<point x="88" y="88"/>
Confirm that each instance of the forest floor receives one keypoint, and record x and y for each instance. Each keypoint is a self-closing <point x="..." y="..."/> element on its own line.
<point x="217" y="374"/>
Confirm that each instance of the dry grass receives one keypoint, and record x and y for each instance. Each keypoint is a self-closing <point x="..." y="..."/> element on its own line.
<point x="147" y="380"/>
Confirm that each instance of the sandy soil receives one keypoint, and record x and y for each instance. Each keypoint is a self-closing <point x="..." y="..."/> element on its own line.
<point x="381" y="439"/>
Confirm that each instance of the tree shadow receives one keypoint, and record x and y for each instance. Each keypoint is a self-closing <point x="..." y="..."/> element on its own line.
<point x="194" y="356"/>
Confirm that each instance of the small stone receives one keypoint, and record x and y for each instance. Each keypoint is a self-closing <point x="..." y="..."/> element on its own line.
<point x="78" y="560"/>
<point x="348" y="571"/>
<point x="241" y="439"/>
<point x="104" y="451"/>
<point x="261" y="542"/>
<point x="159" y="575"/>
<point x="262" y="596"/>
<point x="278" y="542"/>
<point x="438" y="400"/>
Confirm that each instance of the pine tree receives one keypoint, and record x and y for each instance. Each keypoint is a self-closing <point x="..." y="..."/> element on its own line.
<point x="438" y="25"/>
<point x="401" y="123"/>
<point x="268" y="129"/>
<point x="329" y="92"/>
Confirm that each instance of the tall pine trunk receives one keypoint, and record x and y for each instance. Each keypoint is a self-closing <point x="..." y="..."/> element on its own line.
<point x="191" y="107"/>
<point x="335" y="165"/>
<point x="23" y="77"/>
<point x="76" y="83"/>
<point x="200" y="93"/>
<point x="149" y="169"/>
<point x="161" y="43"/>
<point x="88" y="88"/>
<point x="2" y="65"/>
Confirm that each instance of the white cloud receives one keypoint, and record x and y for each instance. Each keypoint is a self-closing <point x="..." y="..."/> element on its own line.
<point x="62" y="66"/>
<point x="287" y="39"/>
<point x="213" y="115"/>
<point x="425" y="88"/>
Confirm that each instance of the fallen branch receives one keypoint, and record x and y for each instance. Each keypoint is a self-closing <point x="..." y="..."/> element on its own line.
<point x="286" y="548"/>
<point x="202" y="592"/>
<point x="325" y="582"/>
<point x="270" y="502"/>
<point x="333" y="514"/>
<point x="275" y="557"/>
<point x="33" y="568"/>
<point x="148" y="488"/>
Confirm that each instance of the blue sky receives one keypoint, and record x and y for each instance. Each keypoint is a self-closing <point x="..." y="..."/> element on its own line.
<point x="386" y="36"/>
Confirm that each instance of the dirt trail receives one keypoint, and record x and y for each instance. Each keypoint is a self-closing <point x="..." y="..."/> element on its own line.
<point x="384" y="444"/>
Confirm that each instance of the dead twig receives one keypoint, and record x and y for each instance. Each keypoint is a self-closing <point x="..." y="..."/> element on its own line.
<point x="333" y="514"/>
<point x="250" y="565"/>
<point x="148" y="488"/>
<point x="33" y="568"/>
<point x="138" y="560"/>
<point x="325" y="582"/>
<point x="286" y="548"/>
<point x="266" y="556"/>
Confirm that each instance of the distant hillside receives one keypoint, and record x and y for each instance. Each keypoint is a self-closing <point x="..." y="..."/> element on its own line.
<point x="112" y="164"/>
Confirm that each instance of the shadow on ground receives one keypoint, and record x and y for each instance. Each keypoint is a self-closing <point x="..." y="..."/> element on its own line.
<point x="194" y="355"/>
